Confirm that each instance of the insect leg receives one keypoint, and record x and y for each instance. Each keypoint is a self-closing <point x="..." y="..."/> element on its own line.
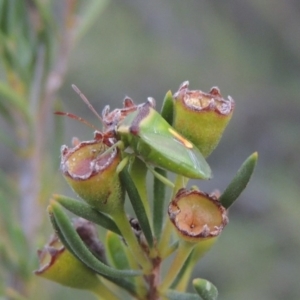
<point x="118" y="144"/>
<point x="163" y="179"/>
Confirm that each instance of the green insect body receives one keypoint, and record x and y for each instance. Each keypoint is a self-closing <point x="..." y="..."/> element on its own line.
<point x="157" y="143"/>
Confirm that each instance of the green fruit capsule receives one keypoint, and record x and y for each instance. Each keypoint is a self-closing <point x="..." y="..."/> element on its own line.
<point x="60" y="265"/>
<point x="194" y="109"/>
<point x="92" y="174"/>
<point x="152" y="139"/>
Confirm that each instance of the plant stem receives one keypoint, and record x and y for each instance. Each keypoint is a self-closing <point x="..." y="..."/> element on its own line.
<point x="154" y="280"/>
<point x="180" y="182"/>
<point x="182" y="254"/>
<point x="165" y="237"/>
<point x="165" y="252"/>
<point x="139" y="282"/>
<point x="199" y="251"/>
<point x="131" y="240"/>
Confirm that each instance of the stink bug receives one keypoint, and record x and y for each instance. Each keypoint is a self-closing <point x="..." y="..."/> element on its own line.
<point x="157" y="143"/>
<point x="150" y="137"/>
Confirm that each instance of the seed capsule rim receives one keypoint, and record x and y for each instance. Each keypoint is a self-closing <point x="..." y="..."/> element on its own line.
<point x="206" y="231"/>
<point x="95" y="168"/>
<point x="215" y="103"/>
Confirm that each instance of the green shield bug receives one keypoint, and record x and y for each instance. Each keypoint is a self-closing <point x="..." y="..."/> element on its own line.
<point x="157" y="143"/>
<point x="149" y="136"/>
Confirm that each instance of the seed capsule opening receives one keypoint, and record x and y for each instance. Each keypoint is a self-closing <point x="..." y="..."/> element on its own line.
<point x="86" y="159"/>
<point x="211" y="101"/>
<point x="90" y="169"/>
<point x="197" y="215"/>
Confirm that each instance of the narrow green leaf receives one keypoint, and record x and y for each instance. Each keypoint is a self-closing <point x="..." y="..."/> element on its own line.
<point x="7" y="258"/>
<point x="138" y="173"/>
<point x="14" y="50"/>
<point x="137" y="205"/>
<point x="239" y="182"/>
<point x="48" y="37"/>
<point x="91" y="13"/>
<point x="18" y="240"/>
<point x="80" y="250"/>
<point x="167" y="108"/>
<point x="159" y="195"/>
<point x="115" y="251"/>
<point x="17" y="12"/>
<point x="14" y="101"/>
<point x="87" y="212"/>
<point x="12" y="241"/>
<point x="8" y="189"/>
<point x="24" y="57"/>
<point x="23" y="35"/>
<point x="159" y="188"/>
<point x="22" y="19"/>
<point x="174" y="295"/>
<point x="3" y="5"/>
<point x="7" y="10"/>
<point x="121" y="282"/>
<point x="57" y="230"/>
<point x="205" y="289"/>
<point x="45" y="11"/>
<point x="5" y="112"/>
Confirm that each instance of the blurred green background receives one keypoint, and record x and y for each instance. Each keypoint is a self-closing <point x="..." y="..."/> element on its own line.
<point x="249" y="49"/>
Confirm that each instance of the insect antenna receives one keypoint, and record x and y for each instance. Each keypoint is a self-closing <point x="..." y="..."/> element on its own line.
<point x="74" y="117"/>
<point x="87" y="102"/>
